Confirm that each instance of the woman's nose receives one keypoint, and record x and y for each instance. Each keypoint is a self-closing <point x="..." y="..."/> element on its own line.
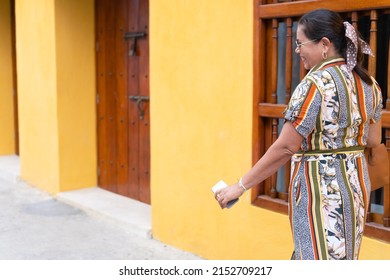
<point x="297" y="50"/>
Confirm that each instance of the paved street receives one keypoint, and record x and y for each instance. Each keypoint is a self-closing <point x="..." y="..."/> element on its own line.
<point x="34" y="225"/>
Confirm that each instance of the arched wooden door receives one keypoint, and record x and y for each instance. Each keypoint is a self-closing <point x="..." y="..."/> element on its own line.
<point x="122" y="46"/>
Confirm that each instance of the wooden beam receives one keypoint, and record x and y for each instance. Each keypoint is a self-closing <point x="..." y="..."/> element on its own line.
<point x="386" y="119"/>
<point x="298" y="8"/>
<point x="273" y="204"/>
<point x="269" y="110"/>
<point x="377" y="231"/>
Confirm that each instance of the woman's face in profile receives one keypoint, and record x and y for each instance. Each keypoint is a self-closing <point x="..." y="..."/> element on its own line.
<point x="309" y="51"/>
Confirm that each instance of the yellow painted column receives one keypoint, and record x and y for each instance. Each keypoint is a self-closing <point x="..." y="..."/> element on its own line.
<point x="7" y="128"/>
<point x="76" y="93"/>
<point x="56" y="84"/>
<point x="37" y="93"/>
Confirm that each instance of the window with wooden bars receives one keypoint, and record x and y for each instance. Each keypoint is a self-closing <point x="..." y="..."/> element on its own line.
<point x="277" y="71"/>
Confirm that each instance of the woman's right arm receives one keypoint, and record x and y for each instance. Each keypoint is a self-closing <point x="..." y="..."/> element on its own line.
<point x="288" y="143"/>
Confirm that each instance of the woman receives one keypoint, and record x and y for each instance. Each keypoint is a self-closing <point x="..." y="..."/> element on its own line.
<point x="333" y="114"/>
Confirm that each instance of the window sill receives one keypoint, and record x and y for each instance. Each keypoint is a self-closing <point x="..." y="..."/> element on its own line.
<point x="377" y="231"/>
<point x="372" y="229"/>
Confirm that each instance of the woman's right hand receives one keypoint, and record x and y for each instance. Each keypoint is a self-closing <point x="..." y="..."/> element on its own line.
<point x="227" y="194"/>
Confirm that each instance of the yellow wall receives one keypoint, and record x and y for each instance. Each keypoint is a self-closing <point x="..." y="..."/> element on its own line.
<point x="7" y="139"/>
<point x="201" y="111"/>
<point x="372" y="249"/>
<point x="37" y="85"/>
<point x="56" y="87"/>
<point x="76" y="93"/>
<point x="201" y="100"/>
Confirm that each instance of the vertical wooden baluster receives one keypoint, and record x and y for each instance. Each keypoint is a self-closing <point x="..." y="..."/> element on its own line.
<point x="289" y="58"/>
<point x="373" y="43"/>
<point x="386" y="189"/>
<point x="289" y="24"/>
<point x="387" y="104"/>
<point x="258" y="92"/>
<point x="274" y="76"/>
<point x="372" y="71"/>
<point x="354" y="19"/>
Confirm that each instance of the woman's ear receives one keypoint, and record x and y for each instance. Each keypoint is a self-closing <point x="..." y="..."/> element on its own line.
<point x="325" y="43"/>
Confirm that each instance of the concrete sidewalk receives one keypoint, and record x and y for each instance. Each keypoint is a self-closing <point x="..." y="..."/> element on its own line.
<point x="89" y="224"/>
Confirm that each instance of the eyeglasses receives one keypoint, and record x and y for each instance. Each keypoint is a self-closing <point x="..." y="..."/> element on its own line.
<point x="299" y="45"/>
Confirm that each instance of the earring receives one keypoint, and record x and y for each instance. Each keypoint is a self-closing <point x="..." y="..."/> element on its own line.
<point x="324" y="55"/>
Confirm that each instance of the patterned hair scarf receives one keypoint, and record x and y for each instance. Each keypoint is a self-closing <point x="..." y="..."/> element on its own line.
<point x="352" y="46"/>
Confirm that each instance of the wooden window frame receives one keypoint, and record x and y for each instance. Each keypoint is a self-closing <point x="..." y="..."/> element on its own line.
<point x="268" y="10"/>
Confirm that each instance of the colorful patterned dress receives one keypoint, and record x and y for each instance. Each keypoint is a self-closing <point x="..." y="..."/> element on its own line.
<point x="330" y="188"/>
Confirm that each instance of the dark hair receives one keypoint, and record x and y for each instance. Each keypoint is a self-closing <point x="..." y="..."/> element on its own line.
<point x="325" y="23"/>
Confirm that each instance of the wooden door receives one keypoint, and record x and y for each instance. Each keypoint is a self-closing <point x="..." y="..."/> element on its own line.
<point x="123" y="97"/>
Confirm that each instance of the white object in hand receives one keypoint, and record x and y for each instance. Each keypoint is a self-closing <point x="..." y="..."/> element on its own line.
<point x="220" y="185"/>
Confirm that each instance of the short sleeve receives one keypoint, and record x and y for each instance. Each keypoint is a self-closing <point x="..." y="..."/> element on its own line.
<point x="377" y="102"/>
<point x="303" y="108"/>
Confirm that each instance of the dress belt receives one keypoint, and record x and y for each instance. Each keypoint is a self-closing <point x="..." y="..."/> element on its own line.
<point x="342" y="153"/>
<point x="354" y="149"/>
